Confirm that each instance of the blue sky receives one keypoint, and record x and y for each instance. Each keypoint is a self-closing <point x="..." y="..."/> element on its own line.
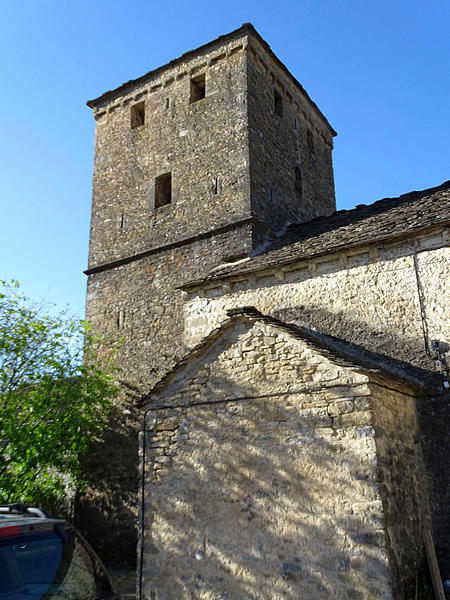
<point x="379" y="70"/>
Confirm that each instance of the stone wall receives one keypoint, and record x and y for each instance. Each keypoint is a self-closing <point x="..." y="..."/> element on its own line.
<point x="434" y="424"/>
<point x="290" y="152"/>
<point x="393" y="299"/>
<point x="263" y="477"/>
<point x="140" y="253"/>
<point x="198" y="142"/>
<point x="369" y="296"/>
<point x="138" y="304"/>
<point x="400" y="473"/>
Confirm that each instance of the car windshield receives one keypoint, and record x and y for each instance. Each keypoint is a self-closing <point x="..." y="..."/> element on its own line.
<point x="50" y="564"/>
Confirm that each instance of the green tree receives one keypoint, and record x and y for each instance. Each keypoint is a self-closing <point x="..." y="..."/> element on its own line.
<point x="52" y="403"/>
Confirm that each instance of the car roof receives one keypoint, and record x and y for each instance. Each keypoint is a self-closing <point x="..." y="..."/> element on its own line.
<point x="12" y="519"/>
<point x="28" y="518"/>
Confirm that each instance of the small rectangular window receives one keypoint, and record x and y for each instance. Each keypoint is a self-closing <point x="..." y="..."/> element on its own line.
<point x="137" y="114"/>
<point x="277" y="103"/>
<point x="198" y="88"/>
<point x="163" y="190"/>
<point x="215" y="186"/>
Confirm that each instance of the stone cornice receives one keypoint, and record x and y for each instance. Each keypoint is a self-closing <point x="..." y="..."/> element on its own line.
<point x="177" y="244"/>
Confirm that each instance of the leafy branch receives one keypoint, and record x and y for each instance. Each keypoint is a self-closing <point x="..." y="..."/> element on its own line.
<point x="52" y="402"/>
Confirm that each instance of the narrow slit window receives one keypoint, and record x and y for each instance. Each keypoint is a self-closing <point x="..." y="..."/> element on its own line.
<point x="120" y="319"/>
<point x="163" y="190"/>
<point x="198" y="88"/>
<point x="137" y="115"/>
<point x="277" y="103"/>
<point x="298" y="180"/>
<point x="310" y="142"/>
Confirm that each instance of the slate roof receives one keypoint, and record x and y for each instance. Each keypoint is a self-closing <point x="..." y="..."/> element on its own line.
<point x="336" y="349"/>
<point x="381" y="221"/>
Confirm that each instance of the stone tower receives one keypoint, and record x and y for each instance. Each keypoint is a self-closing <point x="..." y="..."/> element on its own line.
<point x="197" y="163"/>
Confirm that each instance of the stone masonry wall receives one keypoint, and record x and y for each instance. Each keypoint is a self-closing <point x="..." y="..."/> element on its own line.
<point x="368" y="296"/>
<point x="401" y="476"/>
<point x="262" y="479"/>
<point x="434" y="420"/>
<point x="197" y="142"/>
<point x="137" y="307"/>
<point x="297" y="139"/>
<point x="139" y="303"/>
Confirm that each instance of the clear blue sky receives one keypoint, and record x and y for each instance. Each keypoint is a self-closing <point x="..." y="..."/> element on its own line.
<point x="379" y="70"/>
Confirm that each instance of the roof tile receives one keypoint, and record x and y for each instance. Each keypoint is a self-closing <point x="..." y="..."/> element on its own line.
<point x="383" y="220"/>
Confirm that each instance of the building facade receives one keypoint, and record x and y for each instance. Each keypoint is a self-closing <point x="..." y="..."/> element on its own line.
<point x="213" y="189"/>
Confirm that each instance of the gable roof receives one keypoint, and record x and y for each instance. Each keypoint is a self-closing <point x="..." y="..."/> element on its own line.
<point x="337" y="350"/>
<point x="384" y="220"/>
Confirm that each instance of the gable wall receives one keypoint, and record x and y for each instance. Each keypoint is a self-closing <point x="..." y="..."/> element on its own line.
<point x="263" y="482"/>
<point x="277" y="363"/>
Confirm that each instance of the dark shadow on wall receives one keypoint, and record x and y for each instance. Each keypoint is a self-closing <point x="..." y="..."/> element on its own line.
<point x="434" y="425"/>
<point x="106" y="512"/>
<point x="384" y="339"/>
<point x="260" y="506"/>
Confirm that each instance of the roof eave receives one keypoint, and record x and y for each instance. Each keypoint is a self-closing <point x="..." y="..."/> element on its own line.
<point x="129" y="85"/>
<point x="329" y="346"/>
<point x="245" y="28"/>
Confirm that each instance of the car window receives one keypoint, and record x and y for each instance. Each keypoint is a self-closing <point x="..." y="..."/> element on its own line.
<point x="55" y="564"/>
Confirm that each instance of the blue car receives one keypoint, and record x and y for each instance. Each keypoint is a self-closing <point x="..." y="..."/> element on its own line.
<point x="45" y="558"/>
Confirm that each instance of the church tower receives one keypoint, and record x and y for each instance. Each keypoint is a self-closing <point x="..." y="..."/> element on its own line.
<point x="197" y="163"/>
